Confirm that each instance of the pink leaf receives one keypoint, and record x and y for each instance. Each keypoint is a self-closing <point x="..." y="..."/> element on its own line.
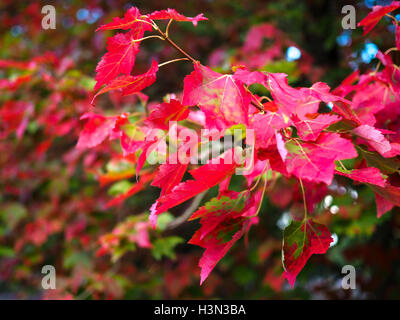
<point x="302" y="239"/>
<point x="315" y="161"/>
<point x="249" y="78"/>
<point x="366" y="175"/>
<point x="310" y="126"/>
<point x="223" y="99"/>
<point x="265" y="125"/>
<point x="386" y="198"/>
<point x="165" y="112"/>
<point x="369" y="22"/>
<point x="174" y="15"/>
<point x="280" y="144"/>
<point x="224" y="220"/>
<point x="205" y="177"/>
<point x="129" y="21"/>
<point x="120" y="57"/>
<point x="168" y="176"/>
<point x="374" y="138"/>
<point x="96" y="129"/>
<point x="132" y="84"/>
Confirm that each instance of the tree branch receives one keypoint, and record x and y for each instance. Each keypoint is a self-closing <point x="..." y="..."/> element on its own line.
<point x="187" y="213"/>
<point x="173" y="44"/>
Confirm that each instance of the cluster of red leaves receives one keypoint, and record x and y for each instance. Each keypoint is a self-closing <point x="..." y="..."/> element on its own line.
<point x="41" y="100"/>
<point x="294" y="137"/>
<point x="133" y="231"/>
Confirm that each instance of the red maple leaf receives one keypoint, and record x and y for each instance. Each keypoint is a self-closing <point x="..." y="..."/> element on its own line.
<point x="374" y="138"/>
<point x="302" y="239"/>
<point x="310" y="126"/>
<point x="129" y="21"/>
<point x="221" y="97"/>
<point x="314" y="161"/>
<point x="224" y="220"/>
<point x="121" y="54"/>
<point x="174" y="15"/>
<point x="168" y="176"/>
<point x="132" y="84"/>
<point x="168" y="111"/>
<point x="265" y="125"/>
<point x="205" y="177"/>
<point x="366" y="175"/>
<point x="386" y="198"/>
<point x="369" y="22"/>
<point x="96" y="130"/>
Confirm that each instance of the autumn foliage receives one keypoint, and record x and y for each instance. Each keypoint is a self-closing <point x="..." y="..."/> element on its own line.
<point x="305" y="140"/>
<point x="293" y="137"/>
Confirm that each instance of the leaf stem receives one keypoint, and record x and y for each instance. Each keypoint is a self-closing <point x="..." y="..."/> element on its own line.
<point x="266" y="98"/>
<point x="391" y="49"/>
<point x="262" y="195"/>
<point x="393" y="18"/>
<point x="170" y="61"/>
<point x="148" y="37"/>
<point x="257" y="103"/>
<point x="342" y="165"/>
<point x="168" y="25"/>
<point x="304" y="199"/>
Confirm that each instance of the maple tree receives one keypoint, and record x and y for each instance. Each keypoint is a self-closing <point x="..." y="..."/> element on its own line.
<point x="75" y="149"/>
<point x="311" y="144"/>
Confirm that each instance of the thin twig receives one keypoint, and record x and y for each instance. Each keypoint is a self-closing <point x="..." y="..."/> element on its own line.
<point x="304" y="199"/>
<point x="263" y="193"/>
<point x="187" y="213"/>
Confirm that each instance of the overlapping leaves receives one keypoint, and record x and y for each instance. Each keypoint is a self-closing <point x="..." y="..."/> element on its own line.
<point x="292" y="136"/>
